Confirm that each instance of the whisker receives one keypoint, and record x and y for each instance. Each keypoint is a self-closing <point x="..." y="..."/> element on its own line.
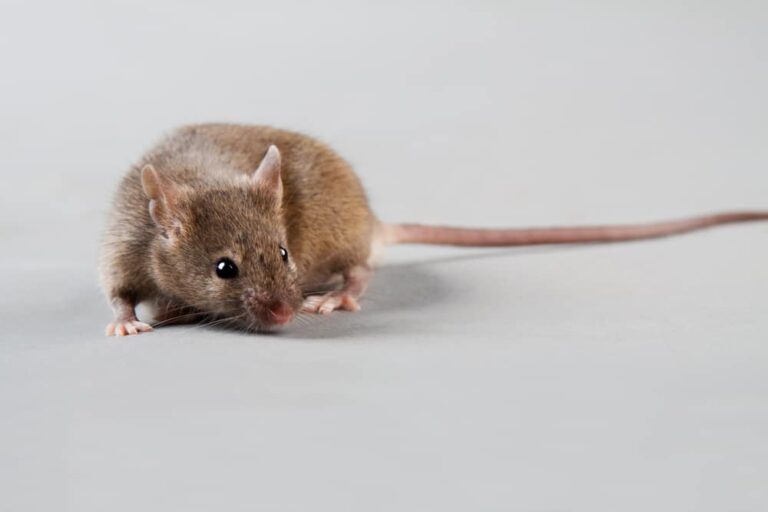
<point x="174" y="318"/>
<point x="221" y="320"/>
<point x="211" y="320"/>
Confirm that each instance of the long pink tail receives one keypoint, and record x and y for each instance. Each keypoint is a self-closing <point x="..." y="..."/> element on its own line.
<point x="480" y="237"/>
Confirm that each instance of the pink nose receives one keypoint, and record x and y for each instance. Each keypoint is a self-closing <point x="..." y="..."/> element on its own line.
<point x="280" y="312"/>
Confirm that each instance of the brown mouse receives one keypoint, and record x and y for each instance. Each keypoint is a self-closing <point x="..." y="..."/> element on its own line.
<point x="250" y="225"/>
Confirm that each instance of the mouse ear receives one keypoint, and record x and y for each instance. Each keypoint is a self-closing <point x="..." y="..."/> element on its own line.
<point x="267" y="176"/>
<point x="162" y="196"/>
<point x="150" y="181"/>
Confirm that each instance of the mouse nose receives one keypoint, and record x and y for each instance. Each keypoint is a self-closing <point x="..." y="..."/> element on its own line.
<point x="280" y="312"/>
<point x="267" y="310"/>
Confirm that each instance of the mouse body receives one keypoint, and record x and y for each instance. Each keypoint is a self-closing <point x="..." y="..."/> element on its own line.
<point x="217" y="221"/>
<point x="250" y="225"/>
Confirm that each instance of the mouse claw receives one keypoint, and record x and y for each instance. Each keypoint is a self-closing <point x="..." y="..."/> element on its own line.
<point x="127" y="328"/>
<point x="349" y="303"/>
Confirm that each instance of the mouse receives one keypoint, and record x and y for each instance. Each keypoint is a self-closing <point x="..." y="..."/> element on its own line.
<point x="250" y="226"/>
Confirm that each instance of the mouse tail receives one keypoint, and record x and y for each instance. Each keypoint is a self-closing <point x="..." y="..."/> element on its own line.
<point x="482" y="237"/>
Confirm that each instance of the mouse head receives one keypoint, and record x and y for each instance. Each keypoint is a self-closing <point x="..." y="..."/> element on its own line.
<point x="222" y="248"/>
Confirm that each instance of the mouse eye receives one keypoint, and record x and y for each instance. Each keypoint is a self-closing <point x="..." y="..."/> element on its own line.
<point x="284" y="253"/>
<point x="226" y="268"/>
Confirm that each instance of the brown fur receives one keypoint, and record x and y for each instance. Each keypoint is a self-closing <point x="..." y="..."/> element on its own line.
<point x="324" y="221"/>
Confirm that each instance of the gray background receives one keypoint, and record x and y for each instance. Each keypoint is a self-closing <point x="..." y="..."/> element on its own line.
<point x="629" y="377"/>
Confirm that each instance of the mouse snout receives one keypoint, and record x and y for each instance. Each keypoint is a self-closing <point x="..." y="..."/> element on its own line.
<point x="280" y="312"/>
<point x="268" y="310"/>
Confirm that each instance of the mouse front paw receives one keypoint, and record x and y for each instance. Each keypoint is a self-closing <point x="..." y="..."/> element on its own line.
<point x="127" y="328"/>
<point x="324" y="304"/>
<point x="355" y="282"/>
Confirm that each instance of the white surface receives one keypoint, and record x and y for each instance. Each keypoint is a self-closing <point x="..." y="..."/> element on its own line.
<point x="629" y="377"/>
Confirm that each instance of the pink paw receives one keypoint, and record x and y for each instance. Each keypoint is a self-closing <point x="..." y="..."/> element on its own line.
<point x="330" y="302"/>
<point x="127" y="328"/>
